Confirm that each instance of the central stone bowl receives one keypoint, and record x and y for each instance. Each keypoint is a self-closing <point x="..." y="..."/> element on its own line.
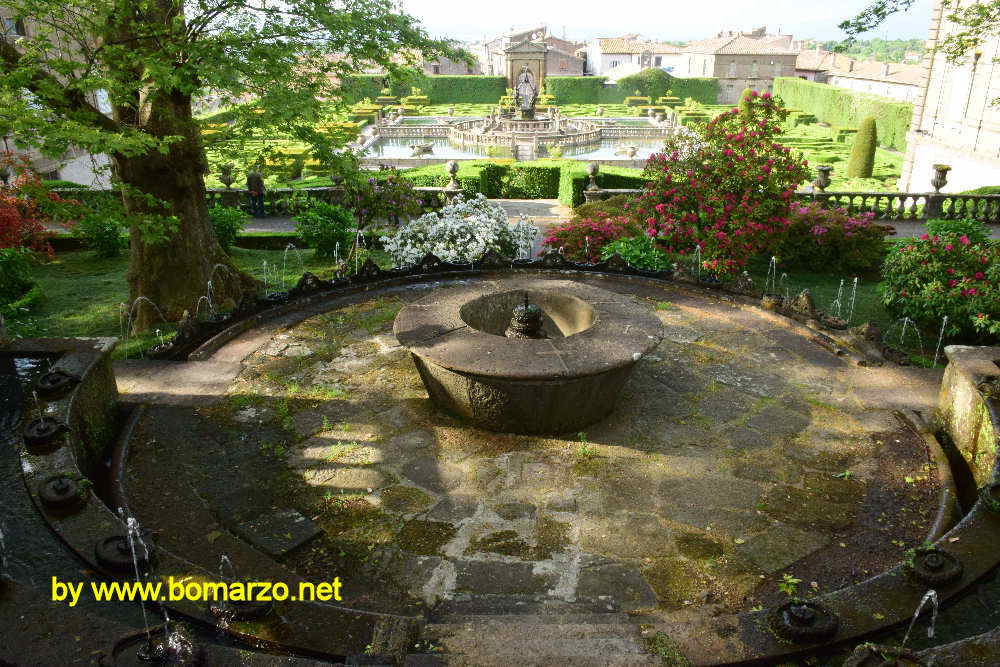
<point x="558" y="384"/>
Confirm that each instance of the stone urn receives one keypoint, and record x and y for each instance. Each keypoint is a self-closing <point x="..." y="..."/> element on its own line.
<point x="822" y="181"/>
<point x="226" y="175"/>
<point x="940" y="177"/>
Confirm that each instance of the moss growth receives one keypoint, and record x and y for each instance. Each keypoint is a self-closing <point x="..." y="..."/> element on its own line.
<point x="674" y="580"/>
<point x="506" y="542"/>
<point x="667" y="650"/>
<point x="425" y="538"/>
<point x="552" y="537"/>
<point x="697" y="546"/>
<point x="404" y="499"/>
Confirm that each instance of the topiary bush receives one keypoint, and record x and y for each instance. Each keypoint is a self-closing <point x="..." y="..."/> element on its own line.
<point x="945" y="275"/>
<point x="831" y="238"/>
<point x="326" y="227"/>
<point x="846" y="108"/>
<point x="863" y="152"/>
<point x="582" y="240"/>
<point x="228" y="222"/>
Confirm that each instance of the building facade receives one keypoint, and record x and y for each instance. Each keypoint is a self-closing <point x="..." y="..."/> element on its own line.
<point x="76" y="165"/>
<point x="955" y="121"/>
<point x="562" y="57"/>
<point x="615" y="57"/>
<point x="740" y="61"/>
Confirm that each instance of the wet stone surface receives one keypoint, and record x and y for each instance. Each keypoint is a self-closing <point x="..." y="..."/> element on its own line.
<point x="737" y="449"/>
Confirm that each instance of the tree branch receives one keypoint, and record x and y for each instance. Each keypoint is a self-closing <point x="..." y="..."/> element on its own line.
<point x="70" y="101"/>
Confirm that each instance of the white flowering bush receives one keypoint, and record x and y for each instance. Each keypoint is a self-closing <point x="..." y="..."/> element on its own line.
<point x="461" y="232"/>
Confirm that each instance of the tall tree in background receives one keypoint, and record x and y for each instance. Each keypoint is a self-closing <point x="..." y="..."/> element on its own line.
<point x="976" y="23"/>
<point x="150" y="58"/>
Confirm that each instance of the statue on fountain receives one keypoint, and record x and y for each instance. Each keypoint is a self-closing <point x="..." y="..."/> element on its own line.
<point x="526" y="92"/>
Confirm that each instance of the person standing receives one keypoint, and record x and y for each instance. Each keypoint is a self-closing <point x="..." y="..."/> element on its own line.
<point x="255" y="192"/>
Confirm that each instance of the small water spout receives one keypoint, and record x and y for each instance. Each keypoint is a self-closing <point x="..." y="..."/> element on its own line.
<point x="783" y="283"/>
<point x="126" y="318"/>
<point x="906" y="323"/>
<point x="930" y="597"/>
<point x="937" y="349"/>
<point x="697" y="263"/>
<point x="854" y="293"/>
<point x="133" y="536"/>
<point x="835" y="306"/>
<point x="284" y="262"/>
<point x="771" y="281"/>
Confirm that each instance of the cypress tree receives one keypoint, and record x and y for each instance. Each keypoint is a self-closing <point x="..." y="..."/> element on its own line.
<point x="863" y="152"/>
<point x="746" y="108"/>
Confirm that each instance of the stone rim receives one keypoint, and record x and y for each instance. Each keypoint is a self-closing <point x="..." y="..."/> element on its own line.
<point x="623" y="331"/>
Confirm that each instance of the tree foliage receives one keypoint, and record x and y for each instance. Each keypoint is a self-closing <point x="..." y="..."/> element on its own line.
<point x="278" y="64"/>
<point x="974" y="23"/>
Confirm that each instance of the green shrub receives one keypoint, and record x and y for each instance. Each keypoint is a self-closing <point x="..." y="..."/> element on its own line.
<point x="832" y="239"/>
<point x="637" y="101"/>
<point x="582" y="240"/>
<point x="103" y="230"/>
<point x="228" y="222"/>
<point x="937" y="276"/>
<point x="975" y="230"/>
<point x="985" y="190"/>
<point x="15" y="277"/>
<point x="611" y="207"/>
<point x="846" y="108"/>
<point x="639" y="251"/>
<point x="324" y="226"/>
<point x="863" y="152"/>
<point x="746" y="106"/>
<point x="592" y="89"/>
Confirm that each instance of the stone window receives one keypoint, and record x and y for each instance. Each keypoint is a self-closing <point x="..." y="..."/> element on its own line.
<point x="754" y="69"/>
<point x="563" y="64"/>
<point x="732" y="69"/>
<point x="435" y="68"/>
<point x="658" y="61"/>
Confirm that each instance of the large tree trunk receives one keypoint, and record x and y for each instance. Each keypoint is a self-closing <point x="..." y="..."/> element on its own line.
<point x="173" y="272"/>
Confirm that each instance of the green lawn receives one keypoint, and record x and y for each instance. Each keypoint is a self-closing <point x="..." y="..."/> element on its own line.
<point x="84" y="296"/>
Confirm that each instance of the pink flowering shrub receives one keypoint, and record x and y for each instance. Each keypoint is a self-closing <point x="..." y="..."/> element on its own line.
<point x="728" y="192"/>
<point x="581" y="240"/>
<point x="831" y="239"/>
<point x="934" y="276"/>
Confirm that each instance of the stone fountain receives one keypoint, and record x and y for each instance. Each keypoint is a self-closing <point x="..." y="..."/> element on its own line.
<point x="532" y="356"/>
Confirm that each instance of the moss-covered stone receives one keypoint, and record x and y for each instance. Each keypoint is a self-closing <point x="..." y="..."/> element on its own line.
<point x="404" y="499"/>
<point x="506" y="542"/>
<point x="698" y="546"/>
<point x="675" y="580"/>
<point x="425" y="538"/>
<point x="551" y="536"/>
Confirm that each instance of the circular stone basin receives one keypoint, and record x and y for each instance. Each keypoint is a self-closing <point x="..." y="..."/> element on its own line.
<point x="558" y="384"/>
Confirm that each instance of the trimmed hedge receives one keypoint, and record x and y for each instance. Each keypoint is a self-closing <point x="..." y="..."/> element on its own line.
<point x="591" y="89"/>
<point x="539" y="179"/>
<point x="440" y="88"/>
<point x="847" y="108"/>
<point x="468" y="89"/>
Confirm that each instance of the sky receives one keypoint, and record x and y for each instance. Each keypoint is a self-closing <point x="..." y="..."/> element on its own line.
<point x="471" y="20"/>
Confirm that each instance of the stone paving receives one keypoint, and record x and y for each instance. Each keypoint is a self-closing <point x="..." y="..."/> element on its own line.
<point x="737" y="448"/>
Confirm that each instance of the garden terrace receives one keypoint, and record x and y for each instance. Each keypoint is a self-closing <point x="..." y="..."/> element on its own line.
<point x="740" y="450"/>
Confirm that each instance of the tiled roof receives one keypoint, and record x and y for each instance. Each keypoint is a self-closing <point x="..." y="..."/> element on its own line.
<point x="893" y="72"/>
<point x="612" y="45"/>
<point x="837" y="64"/>
<point x="743" y="45"/>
